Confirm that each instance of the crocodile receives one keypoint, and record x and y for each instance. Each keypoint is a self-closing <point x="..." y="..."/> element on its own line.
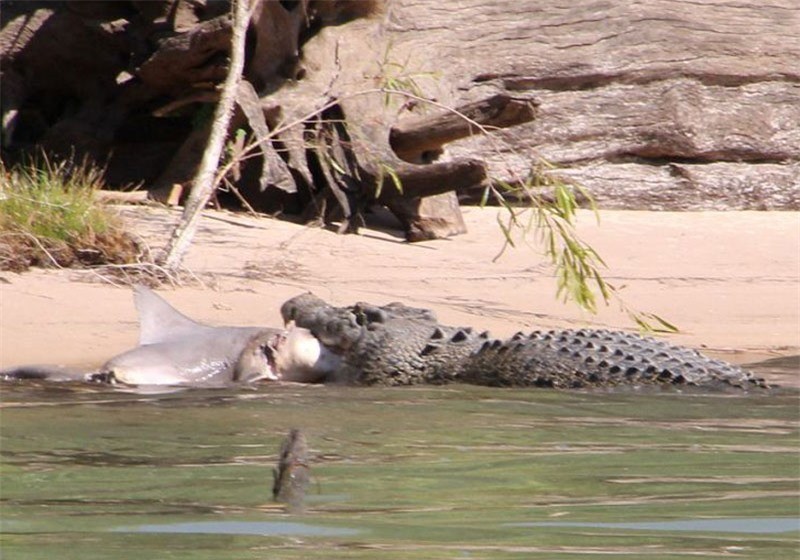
<point x="395" y="344"/>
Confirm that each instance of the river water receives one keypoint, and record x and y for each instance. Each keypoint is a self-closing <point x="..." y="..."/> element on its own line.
<point x="429" y="472"/>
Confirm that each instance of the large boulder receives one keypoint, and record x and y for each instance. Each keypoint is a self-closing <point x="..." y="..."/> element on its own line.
<point x="664" y="104"/>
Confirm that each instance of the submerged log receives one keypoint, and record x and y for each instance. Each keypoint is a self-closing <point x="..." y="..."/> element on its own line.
<point x="292" y="474"/>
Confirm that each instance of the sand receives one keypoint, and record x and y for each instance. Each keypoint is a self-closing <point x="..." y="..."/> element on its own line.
<point x="729" y="280"/>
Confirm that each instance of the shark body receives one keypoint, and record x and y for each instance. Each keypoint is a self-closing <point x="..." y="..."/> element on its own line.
<point x="178" y="351"/>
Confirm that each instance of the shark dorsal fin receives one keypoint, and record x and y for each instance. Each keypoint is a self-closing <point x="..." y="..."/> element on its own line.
<point x="158" y="320"/>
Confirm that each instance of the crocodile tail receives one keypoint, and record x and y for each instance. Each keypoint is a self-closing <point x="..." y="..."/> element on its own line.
<point x="589" y="357"/>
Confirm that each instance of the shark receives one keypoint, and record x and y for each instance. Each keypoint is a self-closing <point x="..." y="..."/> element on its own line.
<point x="175" y="350"/>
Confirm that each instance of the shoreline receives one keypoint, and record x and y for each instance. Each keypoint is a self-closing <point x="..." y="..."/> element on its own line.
<point x="729" y="280"/>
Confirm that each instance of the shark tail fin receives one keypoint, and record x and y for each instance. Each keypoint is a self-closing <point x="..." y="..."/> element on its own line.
<point x="43" y="373"/>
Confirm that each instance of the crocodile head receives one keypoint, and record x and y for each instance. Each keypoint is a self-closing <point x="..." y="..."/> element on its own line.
<point x="335" y="327"/>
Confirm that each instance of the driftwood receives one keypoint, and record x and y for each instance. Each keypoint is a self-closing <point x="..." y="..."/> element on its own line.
<point x="671" y="105"/>
<point x="275" y="50"/>
<point x="274" y="170"/>
<point x="187" y="59"/>
<point x="422" y="138"/>
<point x="120" y="197"/>
<point x="292" y="474"/>
<point x="430" y="217"/>
<point x="180" y="55"/>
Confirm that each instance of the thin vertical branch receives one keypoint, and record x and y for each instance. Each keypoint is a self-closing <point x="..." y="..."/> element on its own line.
<point x="204" y="182"/>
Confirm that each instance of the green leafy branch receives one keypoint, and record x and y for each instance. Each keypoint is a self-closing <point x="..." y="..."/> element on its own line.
<point x="577" y="265"/>
<point x="385" y="170"/>
<point x="395" y="77"/>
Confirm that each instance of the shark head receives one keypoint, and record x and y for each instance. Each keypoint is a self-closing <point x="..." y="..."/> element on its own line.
<point x="257" y="360"/>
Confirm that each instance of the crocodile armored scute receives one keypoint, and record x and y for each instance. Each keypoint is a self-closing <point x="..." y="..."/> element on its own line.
<point x="396" y="344"/>
<point x="579" y="358"/>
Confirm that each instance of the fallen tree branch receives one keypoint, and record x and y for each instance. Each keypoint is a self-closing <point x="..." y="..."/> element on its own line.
<point x="435" y="178"/>
<point x="431" y="132"/>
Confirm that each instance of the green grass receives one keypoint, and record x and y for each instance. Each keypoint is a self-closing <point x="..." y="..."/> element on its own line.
<point x="49" y="216"/>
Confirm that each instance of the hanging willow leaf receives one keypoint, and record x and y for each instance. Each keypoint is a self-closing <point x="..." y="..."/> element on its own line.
<point x="577" y="265"/>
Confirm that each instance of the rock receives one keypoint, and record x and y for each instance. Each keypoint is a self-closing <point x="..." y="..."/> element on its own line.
<point x="668" y="104"/>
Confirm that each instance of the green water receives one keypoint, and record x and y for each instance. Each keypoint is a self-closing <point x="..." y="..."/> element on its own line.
<point x="435" y="472"/>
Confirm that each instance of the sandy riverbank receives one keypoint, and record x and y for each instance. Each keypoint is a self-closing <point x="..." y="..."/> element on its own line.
<point x="729" y="280"/>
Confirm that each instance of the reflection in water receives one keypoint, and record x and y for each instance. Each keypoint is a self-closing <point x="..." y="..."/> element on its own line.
<point x="744" y="526"/>
<point x="263" y="528"/>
